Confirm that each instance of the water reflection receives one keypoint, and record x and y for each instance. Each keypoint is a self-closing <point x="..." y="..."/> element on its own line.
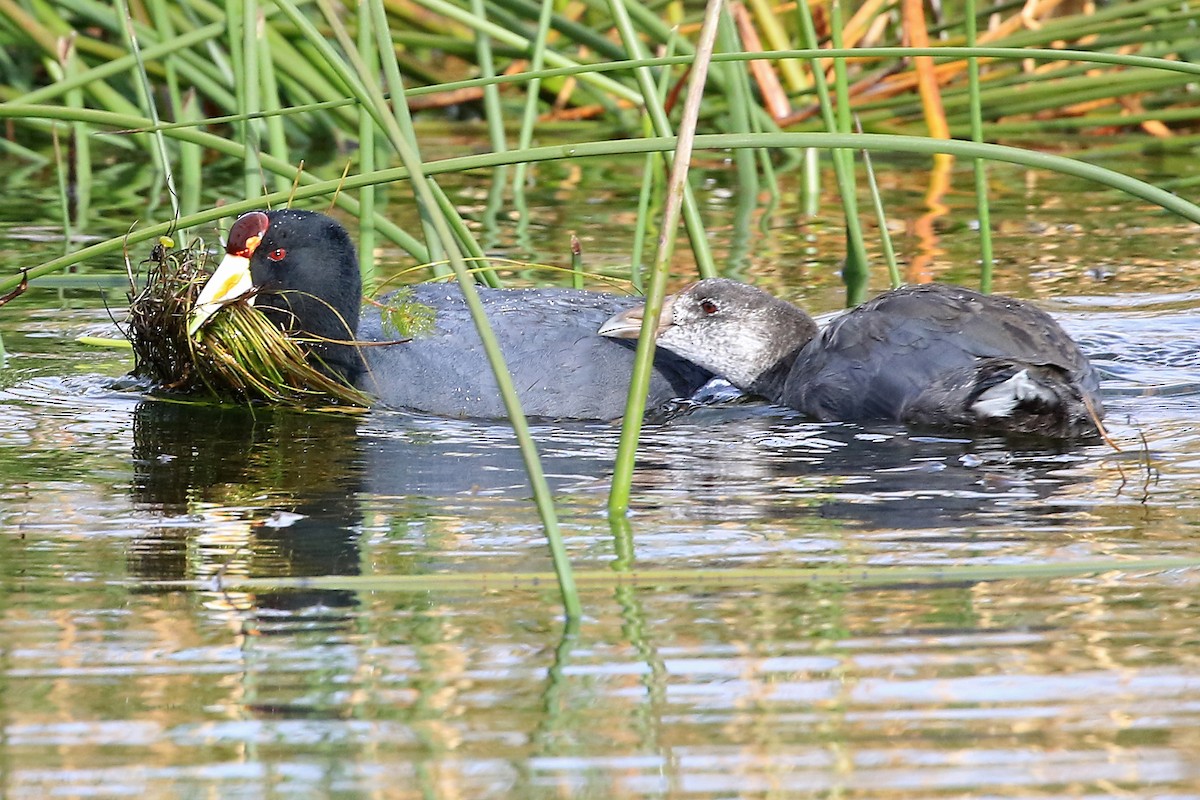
<point x="285" y="494"/>
<point x="259" y="492"/>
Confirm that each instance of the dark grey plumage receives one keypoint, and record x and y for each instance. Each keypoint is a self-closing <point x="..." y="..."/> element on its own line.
<point x="925" y="355"/>
<point x="560" y="366"/>
<point x="306" y="273"/>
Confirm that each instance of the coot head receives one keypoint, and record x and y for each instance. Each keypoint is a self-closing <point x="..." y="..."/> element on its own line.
<point x="300" y="268"/>
<point x="731" y="329"/>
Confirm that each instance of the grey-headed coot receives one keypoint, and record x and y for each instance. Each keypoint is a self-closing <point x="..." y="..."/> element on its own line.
<point x="928" y="355"/>
<point x="303" y="271"/>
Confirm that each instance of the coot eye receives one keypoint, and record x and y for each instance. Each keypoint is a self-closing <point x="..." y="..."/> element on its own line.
<point x="708" y="306"/>
<point x="277" y="254"/>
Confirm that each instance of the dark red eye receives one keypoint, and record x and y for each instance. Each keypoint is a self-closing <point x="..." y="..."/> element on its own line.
<point x="708" y="306"/>
<point x="277" y="255"/>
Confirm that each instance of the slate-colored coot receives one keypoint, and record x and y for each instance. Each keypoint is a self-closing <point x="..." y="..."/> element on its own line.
<point x="928" y="355"/>
<point x="304" y="271"/>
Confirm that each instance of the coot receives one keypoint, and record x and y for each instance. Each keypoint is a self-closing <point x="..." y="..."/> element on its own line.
<point x="303" y="270"/>
<point x="929" y="355"/>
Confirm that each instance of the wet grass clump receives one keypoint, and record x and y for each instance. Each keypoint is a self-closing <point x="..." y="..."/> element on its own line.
<point x="237" y="355"/>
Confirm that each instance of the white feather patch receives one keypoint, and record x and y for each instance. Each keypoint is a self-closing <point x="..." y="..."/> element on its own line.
<point x="1001" y="399"/>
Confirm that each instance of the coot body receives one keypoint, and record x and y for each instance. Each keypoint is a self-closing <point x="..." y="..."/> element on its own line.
<point x="929" y="355"/>
<point x="560" y="366"/>
<point x="418" y="347"/>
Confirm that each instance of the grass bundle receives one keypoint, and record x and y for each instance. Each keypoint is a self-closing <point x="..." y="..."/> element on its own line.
<point x="238" y="355"/>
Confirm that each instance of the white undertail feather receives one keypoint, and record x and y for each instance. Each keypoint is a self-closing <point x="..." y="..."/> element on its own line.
<point x="1003" y="398"/>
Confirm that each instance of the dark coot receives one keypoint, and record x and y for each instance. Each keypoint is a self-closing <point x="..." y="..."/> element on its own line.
<point x="928" y="355"/>
<point x="304" y="270"/>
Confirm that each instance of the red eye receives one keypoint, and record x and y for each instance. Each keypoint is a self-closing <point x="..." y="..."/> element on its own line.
<point x="277" y="255"/>
<point x="708" y="306"/>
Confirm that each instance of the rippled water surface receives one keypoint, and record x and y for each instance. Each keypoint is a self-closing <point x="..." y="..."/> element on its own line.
<point x="204" y="601"/>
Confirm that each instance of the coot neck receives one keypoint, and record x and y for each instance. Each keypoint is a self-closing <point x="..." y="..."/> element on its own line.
<point x="770" y="382"/>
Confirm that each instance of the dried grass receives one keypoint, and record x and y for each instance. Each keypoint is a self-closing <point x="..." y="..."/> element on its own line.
<point x="238" y="355"/>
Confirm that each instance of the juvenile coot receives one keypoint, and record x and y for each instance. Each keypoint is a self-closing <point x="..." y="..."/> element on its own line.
<point x="930" y="355"/>
<point x="304" y="271"/>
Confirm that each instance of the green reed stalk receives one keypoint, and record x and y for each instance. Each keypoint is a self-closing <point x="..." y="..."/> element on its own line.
<point x="652" y="103"/>
<point x="95" y="76"/>
<point x="500" y="34"/>
<point x="395" y="83"/>
<point x="885" y="236"/>
<point x="529" y="117"/>
<point x="276" y="137"/>
<point x="249" y="88"/>
<point x="767" y="168"/>
<point x="160" y="17"/>
<point x="983" y="209"/>
<point x="635" y="406"/>
<point x="854" y="271"/>
<point x="64" y="202"/>
<point x="815" y="53"/>
<point x="737" y="82"/>
<point x="191" y="158"/>
<point x="373" y="102"/>
<point x="777" y="36"/>
<point x="251" y="185"/>
<point x="577" y="32"/>
<point x="652" y="178"/>
<point x="366" y="151"/>
<point x="842" y="164"/>
<point x="492" y="110"/>
<point x="81" y="141"/>
<point x="576" y="263"/>
<point x="235" y="150"/>
<point x="1008" y="54"/>
<point x="49" y="28"/>
<point x="146" y="94"/>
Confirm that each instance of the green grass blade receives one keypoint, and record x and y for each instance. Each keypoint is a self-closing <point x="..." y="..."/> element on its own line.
<point x="983" y="210"/>
<point x="635" y="406"/>
<point x="529" y="116"/>
<point x="856" y="266"/>
<point x="885" y="236"/>
<point x="149" y="106"/>
<point x="493" y="112"/>
<point x="621" y="10"/>
<point x="366" y="151"/>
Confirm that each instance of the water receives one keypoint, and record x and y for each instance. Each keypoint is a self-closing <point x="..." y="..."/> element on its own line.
<point x="952" y="636"/>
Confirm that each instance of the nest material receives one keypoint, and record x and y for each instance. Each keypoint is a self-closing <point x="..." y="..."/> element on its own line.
<point x="238" y="355"/>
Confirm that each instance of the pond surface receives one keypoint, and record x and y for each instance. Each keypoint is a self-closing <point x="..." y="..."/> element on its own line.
<point x="823" y="610"/>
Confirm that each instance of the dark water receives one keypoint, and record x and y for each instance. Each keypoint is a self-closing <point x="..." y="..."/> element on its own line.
<point x="977" y="619"/>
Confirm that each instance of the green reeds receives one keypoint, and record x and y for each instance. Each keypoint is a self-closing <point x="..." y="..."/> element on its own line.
<point x="188" y="44"/>
<point x="855" y="270"/>
<point x="983" y="210"/>
<point x="677" y="186"/>
<point x="797" y="140"/>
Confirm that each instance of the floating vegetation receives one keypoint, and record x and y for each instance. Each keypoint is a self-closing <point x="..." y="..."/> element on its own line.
<point x="238" y="355"/>
<point x="406" y="317"/>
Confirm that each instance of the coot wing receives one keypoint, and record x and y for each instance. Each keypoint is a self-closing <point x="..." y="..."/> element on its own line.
<point x="561" y="368"/>
<point x="871" y="361"/>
